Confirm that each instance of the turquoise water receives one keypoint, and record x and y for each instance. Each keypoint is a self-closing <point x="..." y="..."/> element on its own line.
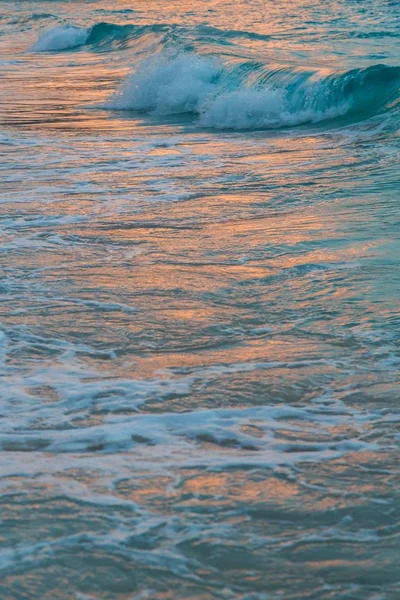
<point x="200" y="325"/>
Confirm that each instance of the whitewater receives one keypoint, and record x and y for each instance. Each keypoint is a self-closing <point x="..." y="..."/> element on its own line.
<point x="199" y="317"/>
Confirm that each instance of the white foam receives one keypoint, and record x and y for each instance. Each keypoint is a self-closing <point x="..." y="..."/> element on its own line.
<point x="156" y="436"/>
<point x="245" y="109"/>
<point x="60" y="38"/>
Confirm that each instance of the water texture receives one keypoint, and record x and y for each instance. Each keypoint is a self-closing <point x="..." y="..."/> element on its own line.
<point x="199" y="317"/>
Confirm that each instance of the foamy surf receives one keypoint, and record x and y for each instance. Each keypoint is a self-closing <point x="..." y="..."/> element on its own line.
<point x="199" y="339"/>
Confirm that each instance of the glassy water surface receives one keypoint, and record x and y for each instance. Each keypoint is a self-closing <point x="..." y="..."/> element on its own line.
<point x="200" y="327"/>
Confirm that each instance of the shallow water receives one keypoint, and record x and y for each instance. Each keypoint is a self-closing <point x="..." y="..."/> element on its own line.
<point x="200" y="327"/>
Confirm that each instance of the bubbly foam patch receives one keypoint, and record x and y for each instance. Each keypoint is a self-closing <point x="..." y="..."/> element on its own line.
<point x="62" y="406"/>
<point x="246" y="109"/>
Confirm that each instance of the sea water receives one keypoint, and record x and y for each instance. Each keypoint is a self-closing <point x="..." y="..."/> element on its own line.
<point x="200" y="315"/>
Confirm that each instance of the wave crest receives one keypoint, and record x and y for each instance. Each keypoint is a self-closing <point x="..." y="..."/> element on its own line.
<point x="60" y="38"/>
<point x="186" y="71"/>
<point x="106" y="36"/>
<point x="247" y="95"/>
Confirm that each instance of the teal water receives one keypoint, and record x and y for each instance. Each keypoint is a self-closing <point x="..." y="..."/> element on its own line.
<point x="199" y="317"/>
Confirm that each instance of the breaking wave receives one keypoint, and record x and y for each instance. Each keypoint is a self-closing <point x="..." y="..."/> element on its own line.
<point x="60" y="38"/>
<point x="237" y="94"/>
<point x="205" y="72"/>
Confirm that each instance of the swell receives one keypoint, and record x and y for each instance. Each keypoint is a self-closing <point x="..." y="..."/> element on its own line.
<point x="105" y="36"/>
<point x="103" y="33"/>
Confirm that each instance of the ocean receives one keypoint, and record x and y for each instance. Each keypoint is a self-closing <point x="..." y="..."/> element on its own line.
<point x="200" y="315"/>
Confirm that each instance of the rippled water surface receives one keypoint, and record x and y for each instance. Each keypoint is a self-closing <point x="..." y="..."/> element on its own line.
<point x="200" y="325"/>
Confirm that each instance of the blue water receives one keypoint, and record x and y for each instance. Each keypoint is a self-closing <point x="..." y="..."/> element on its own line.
<point x="199" y="317"/>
